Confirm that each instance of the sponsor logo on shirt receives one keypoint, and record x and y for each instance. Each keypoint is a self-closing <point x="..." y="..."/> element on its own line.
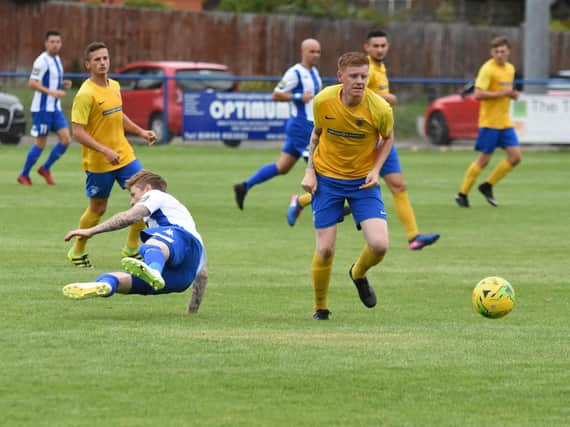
<point x="346" y="134"/>
<point x="113" y="110"/>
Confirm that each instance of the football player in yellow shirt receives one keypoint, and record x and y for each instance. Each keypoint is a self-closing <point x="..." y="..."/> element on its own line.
<point x="99" y="124"/>
<point x="349" y="144"/>
<point x="376" y="46"/>
<point x="494" y="87"/>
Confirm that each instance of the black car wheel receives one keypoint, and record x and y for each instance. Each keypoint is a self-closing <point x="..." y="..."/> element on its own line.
<point x="9" y="139"/>
<point x="232" y="143"/>
<point x="437" y="129"/>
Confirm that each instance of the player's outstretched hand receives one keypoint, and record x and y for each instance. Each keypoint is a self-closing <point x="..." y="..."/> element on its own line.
<point x="80" y="232"/>
<point x="150" y="136"/>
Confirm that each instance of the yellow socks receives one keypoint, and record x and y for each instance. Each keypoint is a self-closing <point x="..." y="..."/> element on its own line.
<point x="134" y="234"/>
<point x="470" y="177"/>
<point x="321" y="271"/>
<point x="406" y="214"/>
<point x="366" y="260"/>
<point x="500" y="171"/>
<point x="88" y="219"/>
<point x="305" y="199"/>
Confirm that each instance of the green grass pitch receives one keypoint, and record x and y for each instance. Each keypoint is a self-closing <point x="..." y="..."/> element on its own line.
<point x="253" y="356"/>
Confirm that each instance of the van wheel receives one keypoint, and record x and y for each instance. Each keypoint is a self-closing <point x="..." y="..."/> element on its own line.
<point x="232" y="143"/>
<point x="156" y="125"/>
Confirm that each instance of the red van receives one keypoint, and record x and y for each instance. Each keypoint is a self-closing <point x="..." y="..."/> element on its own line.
<point x="143" y="98"/>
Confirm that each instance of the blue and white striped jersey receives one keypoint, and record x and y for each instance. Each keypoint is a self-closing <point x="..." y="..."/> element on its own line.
<point x="49" y="72"/>
<point x="166" y="210"/>
<point x="298" y="80"/>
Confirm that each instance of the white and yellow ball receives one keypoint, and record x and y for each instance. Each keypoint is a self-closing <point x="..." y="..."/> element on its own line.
<point x="493" y="297"/>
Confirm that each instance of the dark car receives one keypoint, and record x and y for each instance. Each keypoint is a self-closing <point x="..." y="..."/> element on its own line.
<point x="12" y="119"/>
<point x="143" y="98"/>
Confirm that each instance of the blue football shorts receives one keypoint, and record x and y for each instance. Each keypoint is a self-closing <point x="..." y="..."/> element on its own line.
<point x="328" y="201"/>
<point x="99" y="185"/>
<point x="45" y="121"/>
<point x="489" y="139"/>
<point x="297" y="136"/>
<point x="187" y="258"/>
<point x="392" y="163"/>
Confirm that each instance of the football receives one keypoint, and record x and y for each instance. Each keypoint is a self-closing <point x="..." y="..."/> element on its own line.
<point x="493" y="297"/>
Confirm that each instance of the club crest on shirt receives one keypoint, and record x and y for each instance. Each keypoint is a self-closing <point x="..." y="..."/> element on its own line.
<point x="359" y="122"/>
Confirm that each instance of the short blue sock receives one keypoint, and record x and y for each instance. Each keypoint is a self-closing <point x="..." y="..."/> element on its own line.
<point x="56" y="152"/>
<point x="111" y="280"/>
<point x="33" y="156"/>
<point x="153" y="256"/>
<point x="263" y="174"/>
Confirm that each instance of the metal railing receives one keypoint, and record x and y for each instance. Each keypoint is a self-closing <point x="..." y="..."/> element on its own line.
<point x="555" y="82"/>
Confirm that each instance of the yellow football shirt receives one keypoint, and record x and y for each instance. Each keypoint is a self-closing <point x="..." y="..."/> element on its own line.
<point x="347" y="145"/>
<point x="494" y="113"/>
<point x="378" y="78"/>
<point x="100" y="110"/>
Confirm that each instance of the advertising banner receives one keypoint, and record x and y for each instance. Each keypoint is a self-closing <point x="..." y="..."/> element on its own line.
<point x="540" y="119"/>
<point x="233" y="116"/>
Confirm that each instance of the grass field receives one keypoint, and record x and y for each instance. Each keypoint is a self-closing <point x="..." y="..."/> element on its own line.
<point x="253" y="356"/>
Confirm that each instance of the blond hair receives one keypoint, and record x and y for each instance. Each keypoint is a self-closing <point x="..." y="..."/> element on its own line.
<point x="144" y="177"/>
<point x="352" y="59"/>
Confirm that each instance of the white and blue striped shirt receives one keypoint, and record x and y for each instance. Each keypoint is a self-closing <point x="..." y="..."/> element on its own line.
<point x="298" y="80"/>
<point x="49" y="72"/>
<point x="166" y="210"/>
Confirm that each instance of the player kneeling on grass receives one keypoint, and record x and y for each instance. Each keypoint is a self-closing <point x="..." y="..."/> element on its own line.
<point x="173" y="251"/>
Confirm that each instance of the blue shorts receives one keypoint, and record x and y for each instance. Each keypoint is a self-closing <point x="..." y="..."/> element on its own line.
<point x="328" y="201"/>
<point x="187" y="257"/>
<point x="99" y="185"/>
<point x="489" y="139"/>
<point x="297" y="137"/>
<point x="45" y="121"/>
<point x="392" y="163"/>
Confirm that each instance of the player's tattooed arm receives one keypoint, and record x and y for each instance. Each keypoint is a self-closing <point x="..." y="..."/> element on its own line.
<point x="198" y="289"/>
<point x="309" y="182"/>
<point x="314" y="141"/>
<point x="116" y="222"/>
<point x="122" y="219"/>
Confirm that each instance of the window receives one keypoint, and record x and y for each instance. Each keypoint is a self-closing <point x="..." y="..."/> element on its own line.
<point x="151" y="78"/>
<point x="128" y="83"/>
<point x="205" y="80"/>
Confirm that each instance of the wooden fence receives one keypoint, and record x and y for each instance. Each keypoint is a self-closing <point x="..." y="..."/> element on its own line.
<point x="249" y="44"/>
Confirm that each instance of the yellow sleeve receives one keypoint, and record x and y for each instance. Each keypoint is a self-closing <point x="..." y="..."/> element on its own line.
<point x="81" y="108"/>
<point x="383" y="115"/>
<point x="114" y="84"/>
<point x="484" y="77"/>
<point x="386" y="122"/>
